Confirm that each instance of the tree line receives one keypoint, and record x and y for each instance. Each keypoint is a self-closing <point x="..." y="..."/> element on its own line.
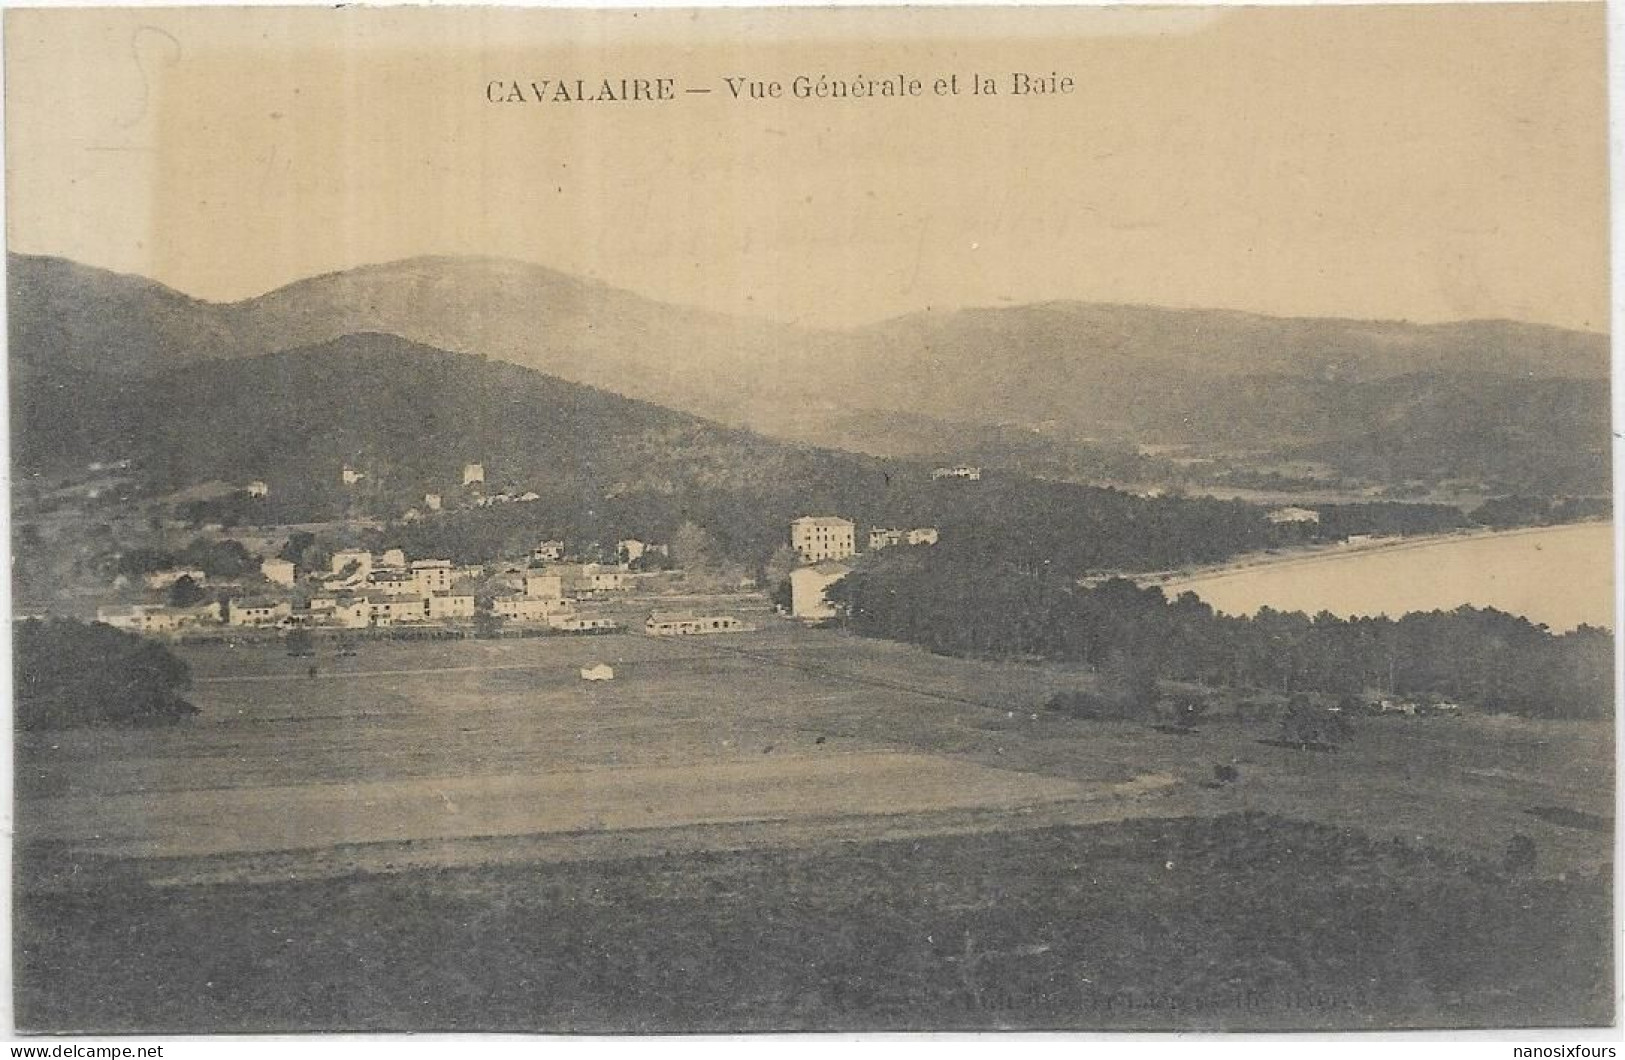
<point x="1477" y="656"/>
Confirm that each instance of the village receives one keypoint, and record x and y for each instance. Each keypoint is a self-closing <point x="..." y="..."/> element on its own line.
<point x="558" y="587"/>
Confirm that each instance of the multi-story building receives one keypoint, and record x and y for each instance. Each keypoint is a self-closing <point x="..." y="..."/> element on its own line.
<point x="447" y="606"/>
<point x="394" y="610"/>
<point x="432" y="575"/>
<point x="819" y="537"/>
<point x="392" y="582"/>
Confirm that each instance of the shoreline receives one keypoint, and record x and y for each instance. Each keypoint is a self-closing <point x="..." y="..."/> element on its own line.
<point x="1308" y="554"/>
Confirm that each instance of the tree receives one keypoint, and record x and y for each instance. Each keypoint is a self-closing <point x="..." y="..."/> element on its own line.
<point x="300" y="642"/>
<point x="218" y="559"/>
<point x="487" y="624"/>
<point x="779" y="565"/>
<point x="693" y="547"/>
<point x="186" y="592"/>
<point x="293" y="550"/>
<point x="71" y="674"/>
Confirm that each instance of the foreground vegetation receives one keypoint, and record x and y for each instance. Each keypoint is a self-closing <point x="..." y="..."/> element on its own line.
<point x="71" y="673"/>
<point x="1234" y="922"/>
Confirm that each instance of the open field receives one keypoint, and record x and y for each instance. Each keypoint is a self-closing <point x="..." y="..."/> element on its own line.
<point x="458" y="789"/>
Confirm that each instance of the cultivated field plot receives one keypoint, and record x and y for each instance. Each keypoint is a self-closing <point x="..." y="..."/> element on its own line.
<point x="791" y="829"/>
<point x="464" y="749"/>
<point x="475" y="740"/>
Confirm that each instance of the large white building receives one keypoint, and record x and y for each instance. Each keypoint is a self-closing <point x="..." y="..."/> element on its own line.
<point x="819" y="537"/>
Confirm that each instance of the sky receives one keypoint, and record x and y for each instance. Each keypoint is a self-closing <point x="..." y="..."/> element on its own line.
<point x="1424" y="163"/>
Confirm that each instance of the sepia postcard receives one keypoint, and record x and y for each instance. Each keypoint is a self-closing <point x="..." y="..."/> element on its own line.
<point x="850" y="519"/>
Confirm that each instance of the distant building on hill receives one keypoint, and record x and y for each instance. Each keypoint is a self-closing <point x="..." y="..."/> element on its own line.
<point x="819" y="537"/>
<point x="257" y="489"/>
<point x="473" y="474"/>
<point x="882" y="537"/>
<point x="163" y="579"/>
<point x="808" y="586"/>
<point x="432" y="501"/>
<point x="630" y="549"/>
<point x="547" y="552"/>
<point x="1293" y="515"/>
<point x="350" y="476"/>
<point x="960" y="471"/>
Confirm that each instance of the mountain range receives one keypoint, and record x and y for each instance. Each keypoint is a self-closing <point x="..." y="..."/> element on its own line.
<point x="1071" y="385"/>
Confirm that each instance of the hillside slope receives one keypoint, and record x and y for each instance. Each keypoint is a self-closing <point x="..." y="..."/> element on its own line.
<point x="1050" y="376"/>
<point x="604" y="466"/>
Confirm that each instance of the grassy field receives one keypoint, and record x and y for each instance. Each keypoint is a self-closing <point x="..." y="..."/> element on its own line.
<point x="786" y="829"/>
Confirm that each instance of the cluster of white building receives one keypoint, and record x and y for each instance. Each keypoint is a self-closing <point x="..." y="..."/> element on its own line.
<point x="361" y="590"/>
